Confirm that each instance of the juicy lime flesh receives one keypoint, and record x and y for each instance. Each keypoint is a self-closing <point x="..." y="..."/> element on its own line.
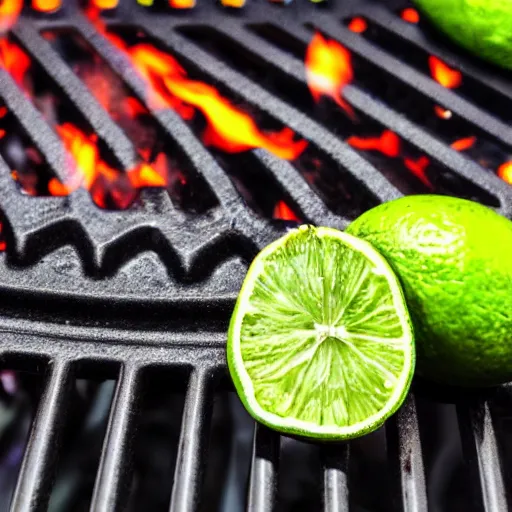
<point x="320" y="342"/>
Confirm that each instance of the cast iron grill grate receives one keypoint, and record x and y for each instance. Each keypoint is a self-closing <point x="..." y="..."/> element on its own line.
<point x="86" y="291"/>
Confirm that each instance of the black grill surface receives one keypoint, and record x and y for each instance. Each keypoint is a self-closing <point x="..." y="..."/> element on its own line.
<point x="86" y="291"/>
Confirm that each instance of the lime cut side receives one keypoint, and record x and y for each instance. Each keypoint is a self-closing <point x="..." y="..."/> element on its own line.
<point x="320" y="343"/>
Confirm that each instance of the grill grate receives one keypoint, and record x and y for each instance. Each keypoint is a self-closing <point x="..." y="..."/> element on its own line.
<point x="81" y="293"/>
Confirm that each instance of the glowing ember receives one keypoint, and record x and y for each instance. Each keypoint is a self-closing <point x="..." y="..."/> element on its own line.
<point x="388" y="143"/>
<point x="463" y="144"/>
<point x="14" y="60"/>
<point x="358" y="25"/>
<point x="229" y="128"/>
<point x="9" y="12"/>
<point x="410" y="15"/>
<point x="105" y="4"/>
<point x="328" y="70"/>
<point x="283" y="212"/>
<point x="505" y="172"/>
<point x="418" y="168"/>
<point x="444" y="74"/>
<point x="443" y="113"/>
<point x="3" y="112"/>
<point x="182" y="4"/>
<point x="46" y="5"/>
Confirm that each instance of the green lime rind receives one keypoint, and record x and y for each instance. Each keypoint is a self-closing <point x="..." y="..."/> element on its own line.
<point x="483" y="27"/>
<point x="320" y="343"/>
<point x="452" y="257"/>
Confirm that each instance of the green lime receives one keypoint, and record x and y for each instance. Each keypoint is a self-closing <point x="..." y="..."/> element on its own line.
<point x="453" y="259"/>
<point x="481" y="26"/>
<point x="320" y="342"/>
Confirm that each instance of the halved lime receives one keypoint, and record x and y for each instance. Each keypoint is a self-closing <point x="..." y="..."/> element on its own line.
<point x="320" y="342"/>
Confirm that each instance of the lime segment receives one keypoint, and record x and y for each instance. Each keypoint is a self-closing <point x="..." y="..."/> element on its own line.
<point x="320" y="343"/>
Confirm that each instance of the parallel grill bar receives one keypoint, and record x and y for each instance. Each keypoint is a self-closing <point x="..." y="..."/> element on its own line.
<point x="413" y="78"/>
<point x="482" y="453"/>
<point x="404" y="442"/>
<point x="336" y="489"/>
<point x="35" y="479"/>
<point x="264" y="468"/>
<point x="103" y="125"/>
<point x="191" y="452"/>
<point x="113" y="478"/>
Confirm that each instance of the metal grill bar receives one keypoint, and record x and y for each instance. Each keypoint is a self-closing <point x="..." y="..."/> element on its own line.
<point x="404" y="442"/>
<point x="113" y="479"/>
<point x="377" y="110"/>
<point x="251" y="92"/>
<point x="411" y="33"/>
<point x="34" y="482"/>
<point x="41" y="51"/>
<point x="482" y="453"/>
<point x="264" y="467"/>
<point x="336" y="490"/>
<point x="389" y="64"/>
<point x="191" y="452"/>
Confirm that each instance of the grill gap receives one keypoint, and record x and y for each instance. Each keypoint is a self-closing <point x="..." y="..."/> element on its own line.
<point x="89" y="408"/>
<point x="155" y="445"/>
<point x="21" y="382"/>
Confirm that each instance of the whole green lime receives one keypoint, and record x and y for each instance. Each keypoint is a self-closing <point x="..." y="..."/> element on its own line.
<point x="481" y="26"/>
<point x="454" y="260"/>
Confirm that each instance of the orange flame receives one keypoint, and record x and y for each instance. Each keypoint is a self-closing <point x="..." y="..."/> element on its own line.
<point x="229" y="128"/>
<point x="182" y="4"/>
<point x="444" y="74"/>
<point x="358" y="25"/>
<point x="233" y="3"/>
<point x="14" y="60"/>
<point x="105" y="4"/>
<point x="98" y="177"/>
<point x="388" y="143"/>
<point x="9" y="12"/>
<point x="410" y="15"/>
<point x="505" y="171"/>
<point x="283" y="212"/>
<point x="328" y="70"/>
<point x="418" y="168"/>
<point x="443" y="113"/>
<point x="46" y="5"/>
<point x="463" y="144"/>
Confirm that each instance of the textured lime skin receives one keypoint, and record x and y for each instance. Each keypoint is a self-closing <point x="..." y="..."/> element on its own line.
<point x="481" y="26"/>
<point x="453" y="258"/>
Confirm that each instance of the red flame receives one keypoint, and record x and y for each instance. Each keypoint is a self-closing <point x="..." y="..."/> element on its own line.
<point x="358" y="25"/>
<point x="388" y="143"/>
<point x="9" y="12"/>
<point x="443" y="113"/>
<point x="410" y="15"/>
<point x="46" y="5"/>
<point x="283" y="212"/>
<point x="463" y="144"/>
<point x="14" y="60"/>
<point x="418" y="168"/>
<point x="505" y="172"/>
<point x="328" y="70"/>
<point x="444" y="74"/>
